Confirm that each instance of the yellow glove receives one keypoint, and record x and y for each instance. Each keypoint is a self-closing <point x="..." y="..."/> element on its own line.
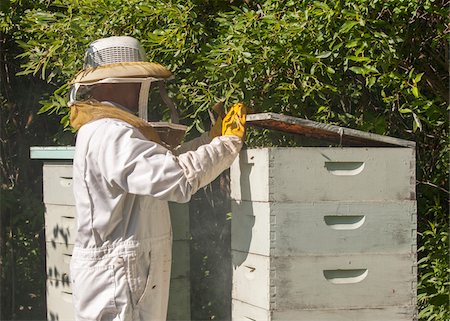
<point x="234" y="122"/>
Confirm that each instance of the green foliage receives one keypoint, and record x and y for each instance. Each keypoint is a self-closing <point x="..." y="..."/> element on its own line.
<point x="298" y="58"/>
<point x="22" y="256"/>
<point x="433" y="252"/>
<point x="433" y="295"/>
<point x="378" y="66"/>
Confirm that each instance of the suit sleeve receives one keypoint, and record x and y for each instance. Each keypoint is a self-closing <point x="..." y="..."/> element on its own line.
<point x="193" y="144"/>
<point x="130" y="162"/>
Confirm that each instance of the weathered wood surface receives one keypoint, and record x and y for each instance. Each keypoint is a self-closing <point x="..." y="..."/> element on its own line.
<point x="60" y="223"/>
<point x="323" y="282"/>
<point x="323" y="174"/>
<point x="58" y="183"/>
<point x="323" y="228"/>
<point x="245" y="312"/>
<point x="59" y="301"/>
<point x="339" y="135"/>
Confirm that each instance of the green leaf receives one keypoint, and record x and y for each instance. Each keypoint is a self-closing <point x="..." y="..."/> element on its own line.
<point x="358" y="70"/>
<point x="322" y="5"/>
<point x="324" y="54"/>
<point x="417" y="124"/>
<point x="370" y="81"/>
<point x="45" y="108"/>
<point x="347" y="26"/>
<point x="353" y="43"/>
<point x="415" y="91"/>
<point x="405" y="110"/>
<point x="364" y="70"/>
<point x="418" y="77"/>
<point x="371" y="68"/>
<point x="330" y="70"/>
<point x="358" y="59"/>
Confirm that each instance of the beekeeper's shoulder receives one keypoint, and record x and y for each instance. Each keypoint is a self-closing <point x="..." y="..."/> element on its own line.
<point x="108" y="126"/>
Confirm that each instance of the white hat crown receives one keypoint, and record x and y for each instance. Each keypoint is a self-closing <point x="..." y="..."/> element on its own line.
<point x="113" y="50"/>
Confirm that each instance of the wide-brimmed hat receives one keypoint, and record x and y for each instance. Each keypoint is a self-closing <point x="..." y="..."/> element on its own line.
<point x="118" y="57"/>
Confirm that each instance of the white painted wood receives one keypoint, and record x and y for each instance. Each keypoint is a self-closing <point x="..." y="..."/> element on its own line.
<point x="319" y="228"/>
<point x="252" y="279"/>
<point x="60" y="223"/>
<point x="249" y="175"/>
<point x="58" y="183"/>
<point x="58" y="260"/>
<point x="324" y="174"/>
<point x="59" y="301"/>
<point x="323" y="282"/>
<point x="179" y="308"/>
<point x="392" y="313"/>
<point x="52" y="152"/>
<point x="251" y="227"/>
<point x="242" y="311"/>
<point x="323" y="233"/>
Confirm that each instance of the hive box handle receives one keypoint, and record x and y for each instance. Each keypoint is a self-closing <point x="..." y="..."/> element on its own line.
<point x="67" y="296"/>
<point x="65" y="181"/>
<point x="250" y="272"/>
<point x="344" y="168"/>
<point x="344" y="222"/>
<point x="345" y="276"/>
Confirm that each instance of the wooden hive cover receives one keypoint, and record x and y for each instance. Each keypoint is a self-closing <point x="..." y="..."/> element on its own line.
<point x="339" y="135"/>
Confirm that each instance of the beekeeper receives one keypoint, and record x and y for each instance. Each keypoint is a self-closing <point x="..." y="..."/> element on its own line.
<point x="123" y="179"/>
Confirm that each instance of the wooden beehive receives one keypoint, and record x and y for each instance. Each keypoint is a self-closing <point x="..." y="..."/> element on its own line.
<point x="324" y="233"/>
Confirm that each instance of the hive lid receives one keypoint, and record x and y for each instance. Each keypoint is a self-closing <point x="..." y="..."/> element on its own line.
<point x="340" y="135"/>
<point x="52" y="152"/>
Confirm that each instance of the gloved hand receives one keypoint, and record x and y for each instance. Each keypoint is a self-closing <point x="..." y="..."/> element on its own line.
<point x="234" y="121"/>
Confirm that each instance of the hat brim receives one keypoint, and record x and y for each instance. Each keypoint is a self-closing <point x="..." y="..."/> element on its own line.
<point x="138" y="69"/>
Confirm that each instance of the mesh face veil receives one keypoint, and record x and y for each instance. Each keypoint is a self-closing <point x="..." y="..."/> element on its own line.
<point x="117" y="60"/>
<point x="80" y="91"/>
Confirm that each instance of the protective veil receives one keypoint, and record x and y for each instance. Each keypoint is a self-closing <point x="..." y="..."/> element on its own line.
<point x="120" y="267"/>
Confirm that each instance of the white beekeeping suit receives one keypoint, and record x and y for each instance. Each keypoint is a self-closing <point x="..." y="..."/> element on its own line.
<point x="120" y="268"/>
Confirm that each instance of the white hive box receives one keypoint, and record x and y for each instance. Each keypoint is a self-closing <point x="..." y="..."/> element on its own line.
<point x="324" y="233"/>
<point x="323" y="228"/>
<point x="323" y="174"/>
<point x="246" y="312"/>
<point x="60" y="233"/>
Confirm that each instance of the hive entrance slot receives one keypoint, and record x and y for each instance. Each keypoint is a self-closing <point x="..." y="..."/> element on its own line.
<point x="345" y="276"/>
<point x="344" y="168"/>
<point x="344" y="222"/>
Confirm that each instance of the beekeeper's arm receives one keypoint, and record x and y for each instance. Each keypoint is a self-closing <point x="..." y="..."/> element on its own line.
<point x="135" y="165"/>
<point x="138" y="166"/>
<point x="193" y="144"/>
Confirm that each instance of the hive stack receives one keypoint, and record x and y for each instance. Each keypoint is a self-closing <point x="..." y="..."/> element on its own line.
<point x="60" y="228"/>
<point x="323" y="233"/>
